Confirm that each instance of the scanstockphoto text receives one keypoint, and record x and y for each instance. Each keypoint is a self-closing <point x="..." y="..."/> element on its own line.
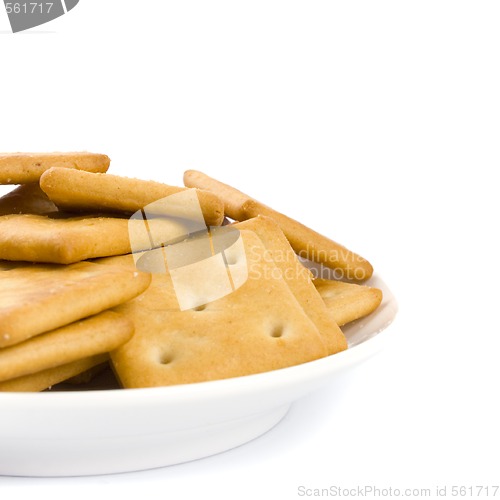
<point x="389" y="491"/>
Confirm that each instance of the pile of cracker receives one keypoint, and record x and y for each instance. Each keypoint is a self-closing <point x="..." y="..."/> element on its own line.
<point x="73" y="300"/>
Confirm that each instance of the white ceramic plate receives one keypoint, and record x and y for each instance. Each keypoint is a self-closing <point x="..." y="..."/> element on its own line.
<point x="108" y="431"/>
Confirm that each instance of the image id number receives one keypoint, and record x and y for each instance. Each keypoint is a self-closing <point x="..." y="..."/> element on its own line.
<point x="28" y="7"/>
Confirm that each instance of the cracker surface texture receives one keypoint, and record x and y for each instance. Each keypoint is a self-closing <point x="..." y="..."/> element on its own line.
<point x="299" y="280"/>
<point x="45" y="379"/>
<point x="78" y="190"/>
<point x="67" y="239"/>
<point x="257" y="328"/>
<point x="348" y="301"/>
<point x="22" y="168"/>
<point x="37" y="298"/>
<point x="95" y="335"/>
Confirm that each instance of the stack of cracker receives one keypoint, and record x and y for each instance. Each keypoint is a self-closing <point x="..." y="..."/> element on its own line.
<point x="72" y="295"/>
<point x="56" y="319"/>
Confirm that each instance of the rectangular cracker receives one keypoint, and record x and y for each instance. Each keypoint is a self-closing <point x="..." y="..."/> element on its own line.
<point x="258" y="327"/>
<point x="22" y="168"/>
<point x="232" y="198"/>
<point x="348" y="301"/>
<point x="61" y="239"/>
<point x="79" y="190"/>
<point x="38" y="298"/>
<point x="306" y="242"/>
<point x="6" y="265"/>
<point x="299" y="280"/>
<point x="95" y="335"/>
<point x="314" y="246"/>
<point x="26" y="199"/>
<point x="87" y="377"/>
<point x="45" y="379"/>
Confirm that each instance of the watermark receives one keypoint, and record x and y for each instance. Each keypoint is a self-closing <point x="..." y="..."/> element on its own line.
<point x="372" y="491"/>
<point x="204" y="263"/>
<point x="331" y="259"/>
<point x="24" y="15"/>
<point x="170" y="236"/>
<point x="273" y="268"/>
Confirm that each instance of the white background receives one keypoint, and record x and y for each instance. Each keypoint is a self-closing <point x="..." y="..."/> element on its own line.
<point x="376" y="123"/>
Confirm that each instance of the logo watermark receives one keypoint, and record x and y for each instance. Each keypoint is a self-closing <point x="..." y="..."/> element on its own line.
<point x="169" y="236"/>
<point x="204" y="263"/>
<point x="24" y="15"/>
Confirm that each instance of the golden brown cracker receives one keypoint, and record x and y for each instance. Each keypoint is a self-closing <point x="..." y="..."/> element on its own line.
<point x="22" y="168"/>
<point x="232" y="198"/>
<point x="45" y="379"/>
<point x="89" y="375"/>
<point x="26" y="199"/>
<point x="64" y="240"/>
<point x="38" y="298"/>
<point x="313" y="246"/>
<point x="78" y="190"/>
<point x="258" y="327"/>
<point x="298" y="278"/>
<point x="306" y="242"/>
<point x="348" y="301"/>
<point x="95" y="335"/>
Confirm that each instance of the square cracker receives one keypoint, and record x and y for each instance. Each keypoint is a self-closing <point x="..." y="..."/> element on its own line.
<point x="7" y="265"/>
<point x="95" y="335"/>
<point x="348" y="301"/>
<point x="22" y="168"/>
<point x="38" y="298"/>
<point x="36" y="382"/>
<point x="256" y="328"/>
<point x="26" y="199"/>
<point x="61" y="239"/>
<point x="298" y="278"/>
<point x="79" y="190"/>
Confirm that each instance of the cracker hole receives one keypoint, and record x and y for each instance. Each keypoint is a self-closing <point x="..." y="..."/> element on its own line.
<point x="277" y="331"/>
<point x="200" y="308"/>
<point x="166" y="359"/>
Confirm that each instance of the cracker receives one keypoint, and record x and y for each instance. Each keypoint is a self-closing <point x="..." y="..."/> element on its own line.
<point x="45" y="379"/>
<point x="22" y="168"/>
<point x="299" y="280"/>
<point x="38" y="298"/>
<point x="95" y="335"/>
<point x="87" y="376"/>
<point x="232" y="198"/>
<point x="259" y="327"/>
<point x="64" y="240"/>
<point x="306" y="242"/>
<point x="26" y="199"/>
<point x="78" y="190"/>
<point x="313" y="246"/>
<point x="348" y="301"/>
<point x="6" y="265"/>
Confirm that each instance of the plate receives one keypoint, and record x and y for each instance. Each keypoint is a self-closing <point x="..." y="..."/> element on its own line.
<point x="109" y="431"/>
